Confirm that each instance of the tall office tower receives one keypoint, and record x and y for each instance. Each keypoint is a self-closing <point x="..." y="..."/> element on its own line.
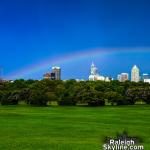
<point x="57" y="71"/>
<point x="135" y="74"/>
<point x="123" y="77"/>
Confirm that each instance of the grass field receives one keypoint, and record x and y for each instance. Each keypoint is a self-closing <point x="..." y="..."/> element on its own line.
<point x="70" y="128"/>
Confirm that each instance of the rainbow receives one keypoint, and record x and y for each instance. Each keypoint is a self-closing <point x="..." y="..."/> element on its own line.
<point x="89" y="53"/>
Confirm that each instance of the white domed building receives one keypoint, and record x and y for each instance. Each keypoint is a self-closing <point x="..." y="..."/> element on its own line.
<point x="94" y="76"/>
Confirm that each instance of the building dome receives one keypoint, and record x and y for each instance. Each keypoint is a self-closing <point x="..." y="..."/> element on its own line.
<point x="101" y="78"/>
<point x="95" y="76"/>
<point x="91" y="77"/>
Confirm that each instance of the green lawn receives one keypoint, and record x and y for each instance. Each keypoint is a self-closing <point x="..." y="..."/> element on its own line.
<point x="69" y="128"/>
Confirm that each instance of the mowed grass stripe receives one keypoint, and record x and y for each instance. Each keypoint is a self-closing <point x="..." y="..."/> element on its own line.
<point x="70" y="128"/>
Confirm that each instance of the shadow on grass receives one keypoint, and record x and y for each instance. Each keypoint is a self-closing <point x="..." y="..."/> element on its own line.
<point x="122" y="137"/>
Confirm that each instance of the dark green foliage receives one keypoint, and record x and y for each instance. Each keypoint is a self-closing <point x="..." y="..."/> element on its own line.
<point x="51" y="96"/>
<point x="145" y="94"/>
<point x="92" y="97"/>
<point x="1" y="95"/>
<point x="24" y="94"/>
<point x="67" y="98"/>
<point x="132" y="95"/>
<point x="70" y="92"/>
<point x="96" y="102"/>
<point x="111" y="97"/>
<point x="38" y="98"/>
<point x="68" y="101"/>
<point x="10" y="98"/>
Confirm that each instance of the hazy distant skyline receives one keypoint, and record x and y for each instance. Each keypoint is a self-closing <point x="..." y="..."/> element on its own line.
<point x="36" y="30"/>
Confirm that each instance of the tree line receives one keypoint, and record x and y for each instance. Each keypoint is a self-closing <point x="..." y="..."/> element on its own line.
<point x="91" y="93"/>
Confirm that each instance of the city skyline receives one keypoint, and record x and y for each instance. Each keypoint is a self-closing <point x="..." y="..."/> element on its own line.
<point x="95" y="75"/>
<point x="68" y="59"/>
<point x="134" y="76"/>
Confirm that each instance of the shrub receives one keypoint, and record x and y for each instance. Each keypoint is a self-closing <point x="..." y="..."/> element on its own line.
<point x="38" y="98"/>
<point x="24" y="94"/>
<point x="123" y="102"/>
<point x="68" y="101"/>
<point x="10" y="98"/>
<point x="123" y="136"/>
<point x="96" y="102"/>
<point x="1" y="95"/>
<point x="132" y="95"/>
<point x="145" y="94"/>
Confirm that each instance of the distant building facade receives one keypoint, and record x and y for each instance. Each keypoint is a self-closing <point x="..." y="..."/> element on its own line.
<point x="135" y="74"/>
<point x="57" y="71"/>
<point x="147" y="80"/>
<point x="123" y="77"/>
<point x="46" y="76"/>
<point x="54" y="75"/>
<point x="94" y="75"/>
<point x="145" y="76"/>
<point x="79" y="80"/>
<point x="118" y="77"/>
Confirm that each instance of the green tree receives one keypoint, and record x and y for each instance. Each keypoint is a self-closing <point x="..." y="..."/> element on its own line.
<point x="10" y="98"/>
<point x="113" y="97"/>
<point x="91" y="97"/>
<point x="38" y="98"/>
<point x="145" y="94"/>
<point x="132" y="95"/>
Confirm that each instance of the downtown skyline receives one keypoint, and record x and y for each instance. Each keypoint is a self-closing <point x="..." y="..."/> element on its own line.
<point x="99" y="74"/>
<point x="104" y="61"/>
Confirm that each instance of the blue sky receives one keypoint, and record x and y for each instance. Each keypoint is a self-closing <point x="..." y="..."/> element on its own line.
<point x="34" y="30"/>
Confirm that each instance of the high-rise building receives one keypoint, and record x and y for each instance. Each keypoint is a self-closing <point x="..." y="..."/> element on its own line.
<point x="135" y="74"/>
<point x="123" y="77"/>
<point x="57" y="71"/>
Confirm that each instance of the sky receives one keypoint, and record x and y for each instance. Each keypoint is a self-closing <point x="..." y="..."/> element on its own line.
<point x="35" y="31"/>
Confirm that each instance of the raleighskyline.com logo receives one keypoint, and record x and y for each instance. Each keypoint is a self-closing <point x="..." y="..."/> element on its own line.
<point x="122" y="145"/>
